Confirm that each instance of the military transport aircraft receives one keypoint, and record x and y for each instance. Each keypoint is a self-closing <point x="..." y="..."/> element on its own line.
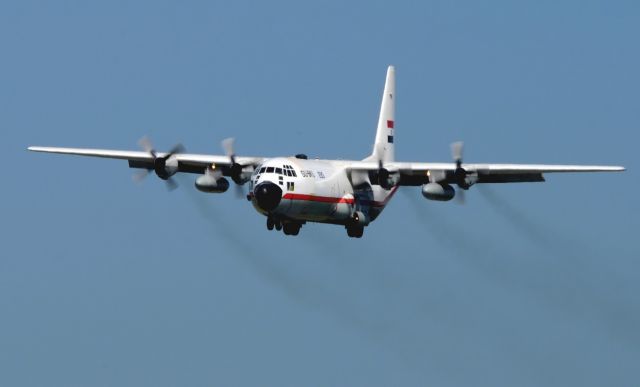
<point x="291" y="191"/>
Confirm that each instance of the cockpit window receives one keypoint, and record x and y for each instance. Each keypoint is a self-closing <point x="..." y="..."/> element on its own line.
<point x="262" y="169"/>
<point x="279" y="171"/>
<point x="288" y="170"/>
<point x="269" y="169"/>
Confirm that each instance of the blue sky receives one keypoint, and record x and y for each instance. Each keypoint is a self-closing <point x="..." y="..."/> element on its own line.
<point x="104" y="282"/>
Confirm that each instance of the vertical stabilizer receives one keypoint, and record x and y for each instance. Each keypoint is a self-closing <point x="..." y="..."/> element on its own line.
<point x="383" y="148"/>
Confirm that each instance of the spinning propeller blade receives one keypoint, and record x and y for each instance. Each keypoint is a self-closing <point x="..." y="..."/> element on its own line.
<point x="235" y="170"/>
<point x="456" y="152"/>
<point x="461" y="177"/>
<point x="159" y="163"/>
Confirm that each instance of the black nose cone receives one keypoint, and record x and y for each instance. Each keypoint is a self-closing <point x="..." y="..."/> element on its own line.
<point x="268" y="196"/>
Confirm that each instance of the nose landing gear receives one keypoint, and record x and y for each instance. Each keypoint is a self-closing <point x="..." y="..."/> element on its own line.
<point x="289" y="228"/>
<point x="271" y="223"/>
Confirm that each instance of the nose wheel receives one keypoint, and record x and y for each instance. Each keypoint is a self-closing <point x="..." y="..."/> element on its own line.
<point x="289" y="228"/>
<point x="273" y="223"/>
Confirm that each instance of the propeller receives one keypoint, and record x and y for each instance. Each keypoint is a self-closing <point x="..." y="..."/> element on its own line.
<point x="164" y="166"/>
<point x="460" y="197"/>
<point x="456" y="153"/>
<point x="461" y="177"/>
<point x="383" y="173"/>
<point x="235" y="170"/>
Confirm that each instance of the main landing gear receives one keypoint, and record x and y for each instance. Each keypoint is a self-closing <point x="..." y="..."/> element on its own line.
<point x="355" y="227"/>
<point x="355" y="231"/>
<point x="289" y="228"/>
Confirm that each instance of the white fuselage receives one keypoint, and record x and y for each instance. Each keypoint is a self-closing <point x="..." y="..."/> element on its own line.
<point x="317" y="191"/>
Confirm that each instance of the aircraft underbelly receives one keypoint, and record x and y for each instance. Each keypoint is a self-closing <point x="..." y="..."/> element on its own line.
<point x="317" y="210"/>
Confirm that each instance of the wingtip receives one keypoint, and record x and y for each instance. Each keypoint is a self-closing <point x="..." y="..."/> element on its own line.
<point x="37" y="149"/>
<point x="613" y="168"/>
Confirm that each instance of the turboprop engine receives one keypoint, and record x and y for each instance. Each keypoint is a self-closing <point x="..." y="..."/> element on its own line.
<point x="164" y="166"/>
<point x="437" y="191"/>
<point x="386" y="179"/>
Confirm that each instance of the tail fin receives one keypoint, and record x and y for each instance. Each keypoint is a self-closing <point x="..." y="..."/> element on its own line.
<point x="383" y="148"/>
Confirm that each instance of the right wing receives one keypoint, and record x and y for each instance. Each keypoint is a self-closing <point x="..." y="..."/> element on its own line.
<point x="189" y="163"/>
<point x="419" y="173"/>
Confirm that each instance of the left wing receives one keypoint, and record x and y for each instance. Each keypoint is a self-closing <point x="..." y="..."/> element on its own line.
<point x="190" y="163"/>
<point x="422" y="173"/>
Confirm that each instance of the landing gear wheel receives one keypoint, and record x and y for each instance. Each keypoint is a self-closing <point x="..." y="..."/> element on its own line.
<point x="291" y="228"/>
<point x="355" y="231"/>
<point x="278" y="225"/>
<point x="270" y="224"/>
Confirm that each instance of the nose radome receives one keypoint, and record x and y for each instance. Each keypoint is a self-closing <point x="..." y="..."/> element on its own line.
<point x="267" y="195"/>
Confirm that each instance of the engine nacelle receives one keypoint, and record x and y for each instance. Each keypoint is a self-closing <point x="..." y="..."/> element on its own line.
<point x="165" y="168"/>
<point x="209" y="184"/>
<point x="440" y="192"/>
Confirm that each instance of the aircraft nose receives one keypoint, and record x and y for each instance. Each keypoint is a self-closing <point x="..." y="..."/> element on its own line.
<point x="267" y="195"/>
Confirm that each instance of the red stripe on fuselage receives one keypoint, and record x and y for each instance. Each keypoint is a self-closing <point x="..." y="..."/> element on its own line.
<point x="386" y="200"/>
<point x="322" y="199"/>
<point x="329" y="199"/>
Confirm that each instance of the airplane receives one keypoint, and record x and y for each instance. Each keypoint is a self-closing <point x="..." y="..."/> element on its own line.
<point x="291" y="191"/>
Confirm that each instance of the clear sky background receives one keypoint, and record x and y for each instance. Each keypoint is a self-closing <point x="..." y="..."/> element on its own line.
<point x="104" y="282"/>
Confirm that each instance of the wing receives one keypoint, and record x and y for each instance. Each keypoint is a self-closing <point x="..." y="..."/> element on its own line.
<point x="419" y="173"/>
<point x="190" y="163"/>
